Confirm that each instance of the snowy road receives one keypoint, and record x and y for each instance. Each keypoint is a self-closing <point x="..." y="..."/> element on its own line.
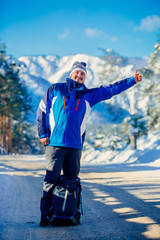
<point x="119" y="202"/>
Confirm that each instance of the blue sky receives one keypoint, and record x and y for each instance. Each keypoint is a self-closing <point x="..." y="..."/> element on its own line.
<point x="43" y="27"/>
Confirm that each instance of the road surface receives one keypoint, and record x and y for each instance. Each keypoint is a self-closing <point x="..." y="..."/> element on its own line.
<point x="119" y="202"/>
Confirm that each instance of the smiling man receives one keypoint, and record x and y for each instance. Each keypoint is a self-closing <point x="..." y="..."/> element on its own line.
<point x="61" y="118"/>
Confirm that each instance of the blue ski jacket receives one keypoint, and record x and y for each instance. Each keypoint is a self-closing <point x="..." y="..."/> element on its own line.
<point x="63" y="111"/>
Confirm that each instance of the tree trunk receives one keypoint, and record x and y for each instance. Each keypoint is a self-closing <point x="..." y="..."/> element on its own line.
<point x="10" y="134"/>
<point x="6" y="133"/>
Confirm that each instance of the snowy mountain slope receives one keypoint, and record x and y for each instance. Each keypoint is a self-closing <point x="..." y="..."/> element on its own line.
<point x="55" y="69"/>
<point x="41" y="71"/>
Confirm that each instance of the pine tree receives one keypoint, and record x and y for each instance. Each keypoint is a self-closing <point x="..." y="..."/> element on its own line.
<point x="14" y="103"/>
<point x="111" y="62"/>
<point x="135" y="125"/>
<point x="152" y="88"/>
<point x="5" y="118"/>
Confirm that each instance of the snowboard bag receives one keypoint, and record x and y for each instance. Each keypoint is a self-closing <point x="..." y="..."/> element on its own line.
<point x="66" y="206"/>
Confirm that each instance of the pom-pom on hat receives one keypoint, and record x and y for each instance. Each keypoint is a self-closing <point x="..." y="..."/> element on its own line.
<point x="79" y="66"/>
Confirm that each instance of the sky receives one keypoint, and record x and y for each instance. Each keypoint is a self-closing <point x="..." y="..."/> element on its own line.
<point x="67" y="27"/>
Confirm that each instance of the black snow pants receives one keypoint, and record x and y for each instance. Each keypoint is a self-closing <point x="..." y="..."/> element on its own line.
<point x="57" y="159"/>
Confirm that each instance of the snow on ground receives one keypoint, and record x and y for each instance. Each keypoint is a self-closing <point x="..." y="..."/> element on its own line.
<point x="146" y="154"/>
<point x="121" y="195"/>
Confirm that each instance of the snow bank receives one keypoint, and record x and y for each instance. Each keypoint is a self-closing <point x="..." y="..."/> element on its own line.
<point x="146" y="154"/>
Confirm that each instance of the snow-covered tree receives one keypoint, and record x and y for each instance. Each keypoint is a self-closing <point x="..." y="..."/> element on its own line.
<point x="152" y="87"/>
<point x="112" y="62"/>
<point x="113" y="68"/>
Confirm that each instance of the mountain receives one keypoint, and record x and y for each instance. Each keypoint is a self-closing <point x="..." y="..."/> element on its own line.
<point x="39" y="72"/>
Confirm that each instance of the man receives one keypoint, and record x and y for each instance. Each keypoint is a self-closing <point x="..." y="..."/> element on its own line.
<point x="61" y="118"/>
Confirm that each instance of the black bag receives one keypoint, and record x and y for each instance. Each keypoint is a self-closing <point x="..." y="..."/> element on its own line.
<point x="66" y="202"/>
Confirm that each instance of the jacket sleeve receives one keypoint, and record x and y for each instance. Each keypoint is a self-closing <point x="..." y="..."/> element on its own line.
<point x="106" y="92"/>
<point x="43" y="114"/>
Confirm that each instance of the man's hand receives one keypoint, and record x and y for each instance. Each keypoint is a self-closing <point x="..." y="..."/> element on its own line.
<point x="44" y="141"/>
<point x="137" y="77"/>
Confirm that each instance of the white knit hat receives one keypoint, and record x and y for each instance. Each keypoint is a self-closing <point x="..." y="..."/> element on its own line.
<point x="79" y="66"/>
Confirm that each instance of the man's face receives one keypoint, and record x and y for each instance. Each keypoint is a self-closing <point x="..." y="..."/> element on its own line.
<point x="78" y="76"/>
